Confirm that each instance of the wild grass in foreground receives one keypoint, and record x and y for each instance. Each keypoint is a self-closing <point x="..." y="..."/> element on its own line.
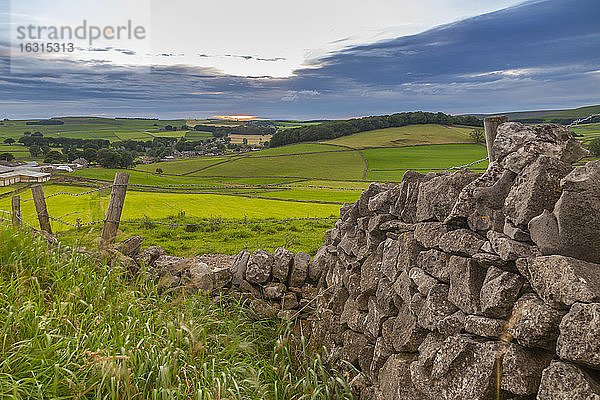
<point x="72" y="328"/>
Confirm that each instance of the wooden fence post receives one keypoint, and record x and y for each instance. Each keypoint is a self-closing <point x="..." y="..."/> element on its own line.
<point x="115" y="208"/>
<point x="17" y="217"/>
<point x="490" y="125"/>
<point x="40" y="207"/>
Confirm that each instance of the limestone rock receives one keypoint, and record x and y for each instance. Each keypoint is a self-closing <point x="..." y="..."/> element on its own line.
<point x="522" y="368"/>
<point x="370" y="271"/>
<point x="375" y="318"/>
<point x="483" y="326"/>
<point x="394" y="379"/>
<point x="518" y="145"/>
<point x="289" y="301"/>
<point x="437" y="196"/>
<point x="299" y="270"/>
<point x="406" y="204"/>
<point x="319" y="264"/>
<point x="460" y="368"/>
<point x="389" y="264"/>
<point x="572" y="228"/>
<point x="381" y="353"/>
<point x="466" y="280"/>
<point x="353" y="317"/>
<point x="263" y="310"/>
<point x="130" y="247"/>
<point x="353" y="343"/>
<point x="561" y="281"/>
<point x="383" y="202"/>
<point x="407" y="334"/>
<point x="499" y="292"/>
<point x="579" y="339"/>
<point x="409" y="251"/>
<point x="428" y="234"/>
<point x="533" y="323"/>
<point x="275" y="290"/>
<point x="564" y="381"/>
<point x="239" y="265"/>
<point x="462" y="242"/>
<point x="535" y="190"/>
<point x="508" y="249"/>
<point x="259" y="267"/>
<point x="205" y="278"/>
<point x="283" y="260"/>
<point x="385" y="297"/>
<point x="452" y="324"/>
<point x="423" y="280"/>
<point x="149" y="256"/>
<point x="435" y="263"/>
<point x="436" y="307"/>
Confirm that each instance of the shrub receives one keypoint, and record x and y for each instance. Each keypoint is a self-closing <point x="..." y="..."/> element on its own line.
<point x="595" y="146"/>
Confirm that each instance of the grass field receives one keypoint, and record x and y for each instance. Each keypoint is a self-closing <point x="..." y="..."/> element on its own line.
<point x="252" y="140"/>
<point x="406" y="135"/>
<point x="111" y="129"/>
<point x="74" y="328"/>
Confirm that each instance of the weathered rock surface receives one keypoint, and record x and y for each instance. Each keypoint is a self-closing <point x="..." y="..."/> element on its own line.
<point x="283" y="260"/>
<point x="239" y="265"/>
<point x="259" y="267"/>
<point x="460" y="368"/>
<point x="574" y="223"/>
<point x="131" y="246"/>
<point x="462" y="242"/>
<point x="466" y="280"/>
<point x="564" y="381"/>
<point x="561" y="281"/>
<point x="394" y="379"/>
<point x="579" y="339"/>
<point x="535" y="190"/>
<point x="299" y="270"/>
<point x="499" y="292"/>
<point x="437" y="196"/>
<point x="533" y="323"/>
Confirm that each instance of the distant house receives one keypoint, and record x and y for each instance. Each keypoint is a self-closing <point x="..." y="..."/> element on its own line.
<point x="80" y="163"/>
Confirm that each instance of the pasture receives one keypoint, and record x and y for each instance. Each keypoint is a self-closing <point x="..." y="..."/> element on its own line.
<point x="406" y="135"/>
<point x="296" y="181"/>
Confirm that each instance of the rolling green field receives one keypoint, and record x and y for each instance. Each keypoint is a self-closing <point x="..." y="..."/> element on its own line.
<point x="112" y="129"/>
<point x="406" y="135"/>
<point x="296" y="181"/>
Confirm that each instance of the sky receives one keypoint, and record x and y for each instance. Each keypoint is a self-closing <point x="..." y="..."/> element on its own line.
<point x="316" y="59"/>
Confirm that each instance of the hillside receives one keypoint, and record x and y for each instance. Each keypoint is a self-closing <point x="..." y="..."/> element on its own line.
<point x="550" y="115"/>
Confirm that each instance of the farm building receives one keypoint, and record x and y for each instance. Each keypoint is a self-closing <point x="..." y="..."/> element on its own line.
<point x="11" y="175"/>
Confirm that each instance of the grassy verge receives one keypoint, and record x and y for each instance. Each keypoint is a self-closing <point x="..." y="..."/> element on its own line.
<point x="76" y="329"/>
<point x="306" y="236"/>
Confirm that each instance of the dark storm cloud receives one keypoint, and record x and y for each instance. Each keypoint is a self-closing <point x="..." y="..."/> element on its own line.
<point x="541" y="54"/>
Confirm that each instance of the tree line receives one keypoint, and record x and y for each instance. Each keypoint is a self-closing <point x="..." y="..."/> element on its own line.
<point x="332" y="130"/>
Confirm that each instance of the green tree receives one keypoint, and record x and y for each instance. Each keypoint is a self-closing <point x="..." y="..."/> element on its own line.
<point x="6" y="157"/>
<point x="54" y="156"/>
<point x="595" y="146"/>
<point x="9" y="140"/>
<point x="35" y="150"/>
<point x="478" y="135"/>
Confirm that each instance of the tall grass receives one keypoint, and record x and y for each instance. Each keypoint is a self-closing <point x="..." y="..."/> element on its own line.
<point x="74" y="328"/>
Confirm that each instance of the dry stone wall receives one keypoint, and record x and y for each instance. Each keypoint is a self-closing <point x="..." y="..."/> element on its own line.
<point x="448" y="286"/>
<point x="464" y="285"/>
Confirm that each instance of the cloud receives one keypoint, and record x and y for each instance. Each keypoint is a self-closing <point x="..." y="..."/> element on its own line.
<point x="542" y="54"/>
